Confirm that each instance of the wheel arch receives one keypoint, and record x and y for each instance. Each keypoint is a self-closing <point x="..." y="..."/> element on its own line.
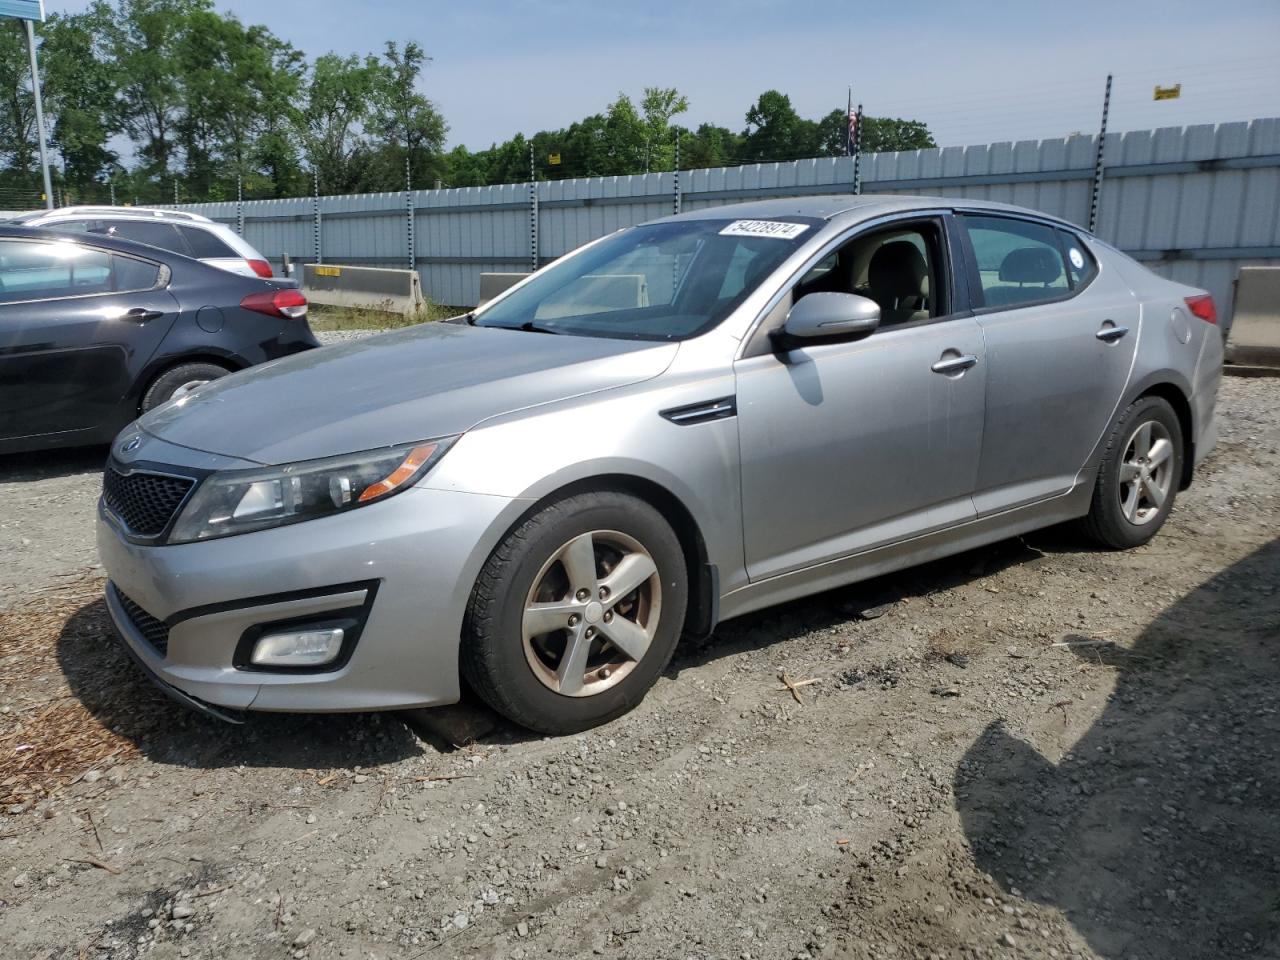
<point x="162" y="365"/>
<point x="1173" y="395"/>
<point x="704" y="586"/>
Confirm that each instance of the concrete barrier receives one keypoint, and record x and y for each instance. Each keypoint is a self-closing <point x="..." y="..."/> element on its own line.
<point x="1254" y="339"/>
<point x="365" y="288"/>
<point x="492" y="284"/>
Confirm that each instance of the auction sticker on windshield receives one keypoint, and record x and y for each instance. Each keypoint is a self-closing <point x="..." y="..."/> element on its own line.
<point x="764" y="228"/>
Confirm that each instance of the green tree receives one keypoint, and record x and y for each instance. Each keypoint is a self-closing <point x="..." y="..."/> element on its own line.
<point x="775" y="131"/>
<point x="879" y="134"/>
<point x="80" y="85"/>
<point x="338" y="100"/>
<point x="407" y="124"/>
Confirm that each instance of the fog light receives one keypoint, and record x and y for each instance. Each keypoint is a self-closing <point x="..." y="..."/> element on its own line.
<point x="298" y="648"/>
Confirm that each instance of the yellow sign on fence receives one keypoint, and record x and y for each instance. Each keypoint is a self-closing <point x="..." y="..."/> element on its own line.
<point x="328" y="271"/>
<point x="553" y="159"/>
<point x="1168" y="93"/>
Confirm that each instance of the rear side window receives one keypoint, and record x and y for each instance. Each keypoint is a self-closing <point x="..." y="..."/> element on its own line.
<point x="1081" y="266"/>
<point x="1019" y="263"/>
<point x="46" y="271"/>
<point x="152" y="233"/>
<point x="205" y="245"/>
<point x="128" y="274"/>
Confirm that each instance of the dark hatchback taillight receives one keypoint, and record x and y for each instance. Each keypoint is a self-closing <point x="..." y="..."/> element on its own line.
<point x="286" y="304"/>
<point x="1203" y="307"/>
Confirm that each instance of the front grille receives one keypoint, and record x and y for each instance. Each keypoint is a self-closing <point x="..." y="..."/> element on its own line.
<point x="153" y="631"/>
<point x="144" y="502"/>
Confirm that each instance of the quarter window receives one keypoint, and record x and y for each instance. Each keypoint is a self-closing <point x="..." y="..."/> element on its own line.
<point x="1019" y="263"/>
<point x="1081" y="266"/>
<point x="205" y="245"/>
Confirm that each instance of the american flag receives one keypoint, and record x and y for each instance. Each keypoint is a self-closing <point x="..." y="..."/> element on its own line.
<point x="852" y="140"/>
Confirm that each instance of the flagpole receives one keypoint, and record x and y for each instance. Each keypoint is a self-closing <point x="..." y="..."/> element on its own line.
<point x="848" y="134"/>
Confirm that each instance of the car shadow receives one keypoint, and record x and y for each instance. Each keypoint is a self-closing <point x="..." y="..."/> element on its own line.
<point x="48" y="464"/>
<point x="115" y="691"/>
<point x="1158" y="834"/>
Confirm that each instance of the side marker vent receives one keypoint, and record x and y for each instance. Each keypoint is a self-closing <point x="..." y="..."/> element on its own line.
<point x="704" y="412"/>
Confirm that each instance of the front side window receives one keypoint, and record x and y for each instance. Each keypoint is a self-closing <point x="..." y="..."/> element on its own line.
<point x="1020" y="263"/>
<point x="899" y="267"/>
<point x="661" y="281"/>
<point x="44" y="271"/>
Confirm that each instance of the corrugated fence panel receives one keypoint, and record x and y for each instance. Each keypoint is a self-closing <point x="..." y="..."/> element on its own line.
<point x="1192" y="203"/>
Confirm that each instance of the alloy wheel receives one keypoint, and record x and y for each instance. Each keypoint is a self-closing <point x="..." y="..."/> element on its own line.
<point x="591" y="613"/>
<point x="1146" y="472"/>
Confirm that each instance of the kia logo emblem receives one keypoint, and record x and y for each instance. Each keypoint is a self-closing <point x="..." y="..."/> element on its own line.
<point x="131" y="445"/>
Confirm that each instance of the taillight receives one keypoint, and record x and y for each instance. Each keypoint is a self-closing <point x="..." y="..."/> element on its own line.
<point x="1202" y="306"/>
<point x="287" y="304"/>
<point x="261" y="268"/>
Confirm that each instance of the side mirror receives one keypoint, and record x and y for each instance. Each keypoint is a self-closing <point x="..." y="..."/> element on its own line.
<point x="823" y="316"/>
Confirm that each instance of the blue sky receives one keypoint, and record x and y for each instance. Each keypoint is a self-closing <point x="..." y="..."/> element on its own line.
<point x="974" y="71"/>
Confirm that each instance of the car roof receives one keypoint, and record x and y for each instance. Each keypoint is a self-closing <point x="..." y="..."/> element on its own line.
<point x="10" y="231"/>
<point x="121" y="213"/>
<point x="851" y="208"/>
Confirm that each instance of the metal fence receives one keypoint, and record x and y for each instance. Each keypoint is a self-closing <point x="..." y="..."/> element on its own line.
<point x="1194" y="203"/>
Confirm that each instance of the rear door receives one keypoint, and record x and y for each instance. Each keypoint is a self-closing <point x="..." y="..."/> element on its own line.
<point x="77" y="325"/>
<point x="1060" y="341"/>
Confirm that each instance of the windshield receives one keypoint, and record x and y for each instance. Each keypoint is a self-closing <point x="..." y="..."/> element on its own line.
<point x="662" y="281"/>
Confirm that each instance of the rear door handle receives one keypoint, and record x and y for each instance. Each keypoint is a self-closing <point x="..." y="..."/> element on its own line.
<point x="955" y="364"/>
<point x="142" y="315"/>
<point x="1111" y="334"/>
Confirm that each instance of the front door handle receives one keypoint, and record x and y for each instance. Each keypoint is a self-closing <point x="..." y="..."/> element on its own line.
<point x="1111" y="334"/>
<point x="954" y="364"/>
<point x="142" y="315"/>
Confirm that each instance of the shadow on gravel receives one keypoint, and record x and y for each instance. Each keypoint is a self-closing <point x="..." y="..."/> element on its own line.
<point x="1158" y="836"/>
<point x="47" y="464"/>
<point x="117" y="693"/>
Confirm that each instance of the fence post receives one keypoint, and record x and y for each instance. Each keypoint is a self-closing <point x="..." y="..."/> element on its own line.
<point x="408" y="203"/>
<point x="533" y="212"/>
<point x="315" y="218"/>
<point x="857" y="151"/>
<point x="1097" y="160"/>
<point x="678" y="198"/>
<point x="240" y="204"/>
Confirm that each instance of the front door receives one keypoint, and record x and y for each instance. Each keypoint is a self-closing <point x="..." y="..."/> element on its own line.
<point x="76" y="325"/>
<point x="1060" y="340"/>
<point x="848" y="446"/>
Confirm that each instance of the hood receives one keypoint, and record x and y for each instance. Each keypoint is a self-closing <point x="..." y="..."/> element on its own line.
<point x="433" y="380"/>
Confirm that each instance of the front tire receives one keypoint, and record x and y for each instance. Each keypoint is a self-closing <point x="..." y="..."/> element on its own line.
<point x="1138" y="477"/>
<point x="576" y="613"/>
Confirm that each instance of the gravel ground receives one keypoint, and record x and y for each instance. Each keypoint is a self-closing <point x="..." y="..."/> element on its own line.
<point x="1032" y="750"/>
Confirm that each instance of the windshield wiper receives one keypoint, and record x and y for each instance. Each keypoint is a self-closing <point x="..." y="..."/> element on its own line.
<point x="530" y="326"/>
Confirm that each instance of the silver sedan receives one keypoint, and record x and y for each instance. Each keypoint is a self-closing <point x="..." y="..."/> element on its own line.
<point x="677" y="424"/>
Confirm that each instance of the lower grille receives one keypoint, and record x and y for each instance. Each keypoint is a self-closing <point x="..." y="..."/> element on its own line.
<point x="144" y="502"/>
<point x="153" y="631"/>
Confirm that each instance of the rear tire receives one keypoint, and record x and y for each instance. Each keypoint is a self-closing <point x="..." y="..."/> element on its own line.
<point x="1139" y="476"/>
<point x="178" y="380"/>
<point x="539" y="637"/>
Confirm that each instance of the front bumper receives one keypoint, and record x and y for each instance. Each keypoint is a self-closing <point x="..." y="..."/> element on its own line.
<point x="408" y="563"/>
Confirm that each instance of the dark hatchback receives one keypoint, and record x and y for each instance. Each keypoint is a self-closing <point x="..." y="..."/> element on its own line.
<point x="94" y="331"/>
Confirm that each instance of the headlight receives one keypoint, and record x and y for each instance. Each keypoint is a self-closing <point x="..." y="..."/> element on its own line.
<point x="238" y="501"/>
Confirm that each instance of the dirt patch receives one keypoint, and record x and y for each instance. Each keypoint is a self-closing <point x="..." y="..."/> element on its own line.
<point x="1033" y="750"/>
